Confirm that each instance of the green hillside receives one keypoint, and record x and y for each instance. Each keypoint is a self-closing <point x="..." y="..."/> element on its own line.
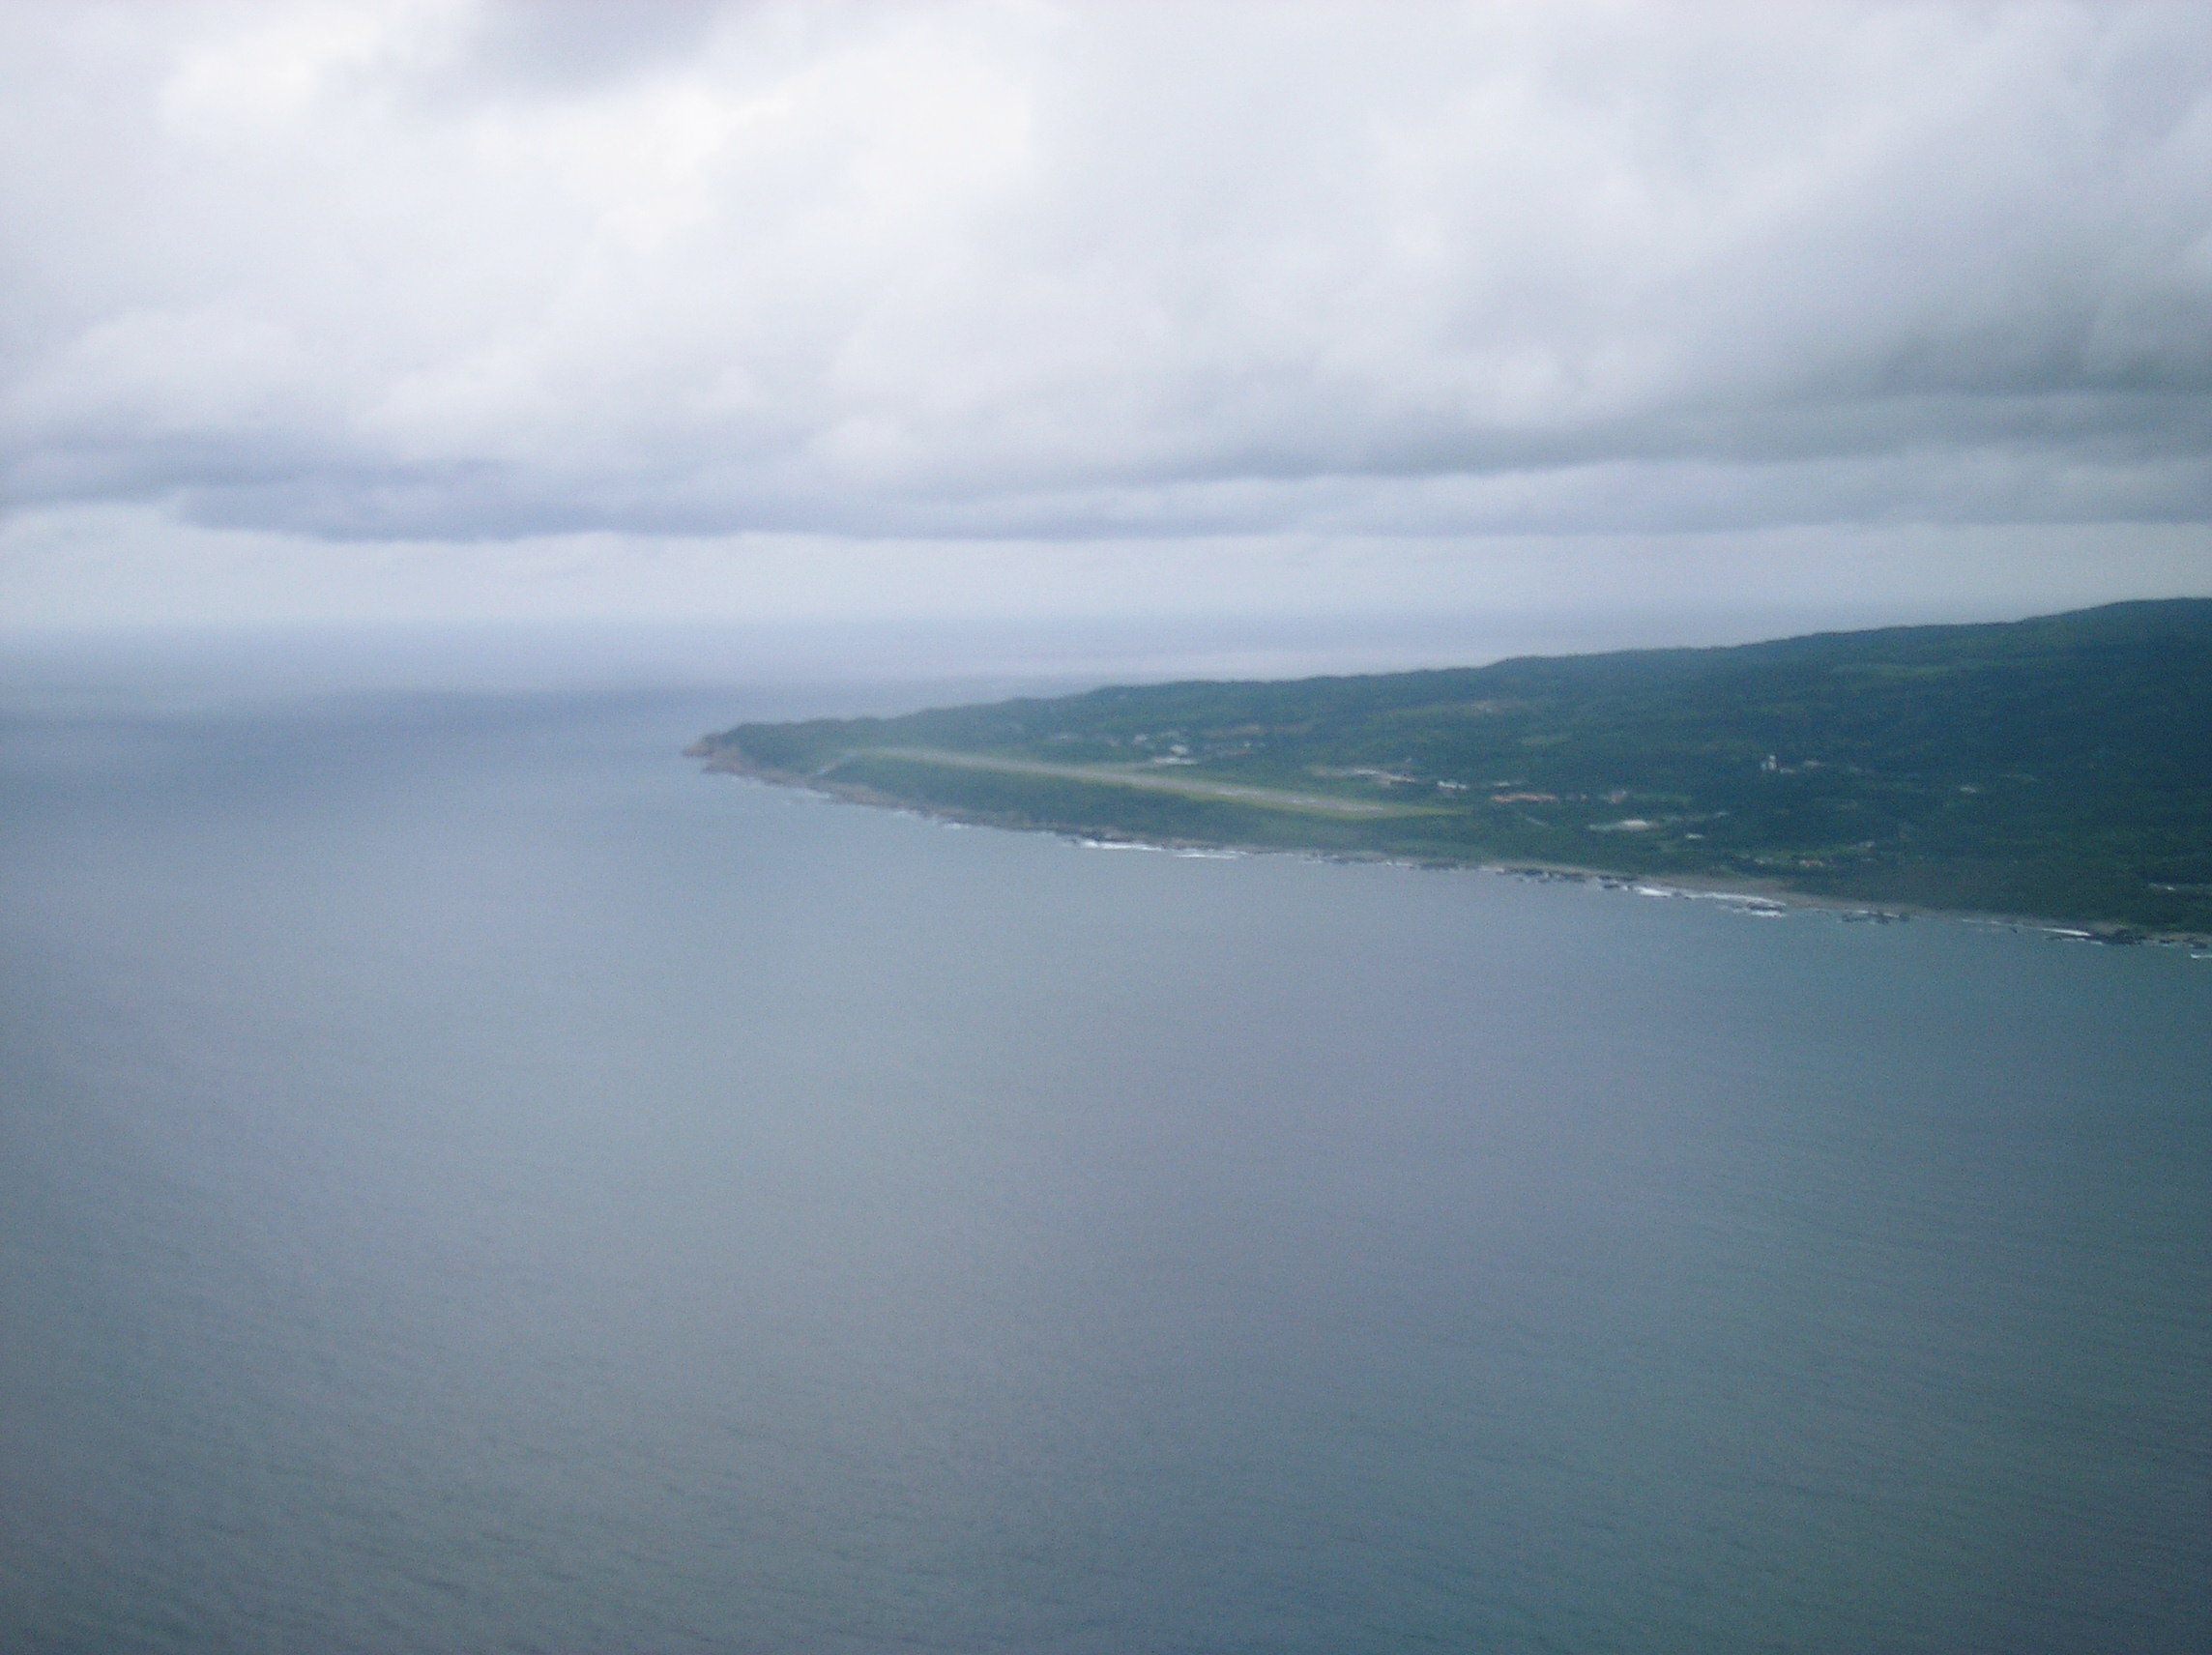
<point x="2060" y="767"/>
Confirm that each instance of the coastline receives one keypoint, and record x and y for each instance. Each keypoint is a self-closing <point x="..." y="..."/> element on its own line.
<point x="1748" y="892"/>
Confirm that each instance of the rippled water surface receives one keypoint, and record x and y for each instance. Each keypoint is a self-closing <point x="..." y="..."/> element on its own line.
<point x="469" y="1182"/>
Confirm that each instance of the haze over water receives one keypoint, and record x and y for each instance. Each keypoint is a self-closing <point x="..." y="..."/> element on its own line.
<point x="470" y="1182"/>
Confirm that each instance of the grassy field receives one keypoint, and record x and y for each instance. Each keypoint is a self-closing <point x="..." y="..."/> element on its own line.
<point x="1155" y="780"/>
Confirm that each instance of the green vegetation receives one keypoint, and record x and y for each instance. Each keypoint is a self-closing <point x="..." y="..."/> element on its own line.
<point x="2060" y="767"/>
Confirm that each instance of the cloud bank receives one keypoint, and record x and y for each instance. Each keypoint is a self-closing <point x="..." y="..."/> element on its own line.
<point x="425" y="272"/>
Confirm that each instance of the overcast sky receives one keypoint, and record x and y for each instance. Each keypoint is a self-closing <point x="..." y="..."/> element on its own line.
<point x="432" y="309"/>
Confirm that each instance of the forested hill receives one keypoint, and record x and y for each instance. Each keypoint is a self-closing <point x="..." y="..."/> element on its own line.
<point x="2060" y="767"/>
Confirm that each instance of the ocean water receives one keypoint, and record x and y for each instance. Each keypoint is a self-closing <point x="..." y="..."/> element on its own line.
<point x="470" y="1182"/>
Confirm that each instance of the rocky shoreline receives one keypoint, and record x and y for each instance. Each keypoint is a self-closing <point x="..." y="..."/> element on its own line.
<point x="1746" y="893"/>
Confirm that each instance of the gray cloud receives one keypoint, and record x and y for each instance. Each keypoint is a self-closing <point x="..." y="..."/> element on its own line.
<point x="571" y="46"/>
<point x="405" y="271"/>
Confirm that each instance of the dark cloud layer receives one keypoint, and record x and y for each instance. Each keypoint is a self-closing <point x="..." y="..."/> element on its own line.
<point x="409" y="270"/>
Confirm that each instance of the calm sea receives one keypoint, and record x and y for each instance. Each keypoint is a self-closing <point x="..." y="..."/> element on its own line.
<point x="469" y="1182"/>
